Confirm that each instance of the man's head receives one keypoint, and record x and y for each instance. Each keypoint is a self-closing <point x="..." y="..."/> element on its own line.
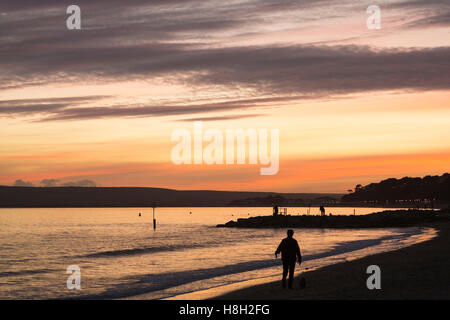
<point x="290" y="233"/>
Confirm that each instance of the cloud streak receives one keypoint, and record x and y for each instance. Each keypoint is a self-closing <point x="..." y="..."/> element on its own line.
<point x="41" y="106"/>
<point x="141" y="38"/>
<point x="283" y="72"/>
<point x="183" y="42"/>
<point x="55" y="183"/>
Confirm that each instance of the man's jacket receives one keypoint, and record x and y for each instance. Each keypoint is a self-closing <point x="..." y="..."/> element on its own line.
<point x="289" y="250"/>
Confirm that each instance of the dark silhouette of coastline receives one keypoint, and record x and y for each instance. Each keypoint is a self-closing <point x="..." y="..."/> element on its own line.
<point x="60" y="197"/>
<point x="385" y="219"/>
<point x="424" y="191"/>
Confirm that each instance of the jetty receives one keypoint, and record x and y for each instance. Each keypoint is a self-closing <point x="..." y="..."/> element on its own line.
<point x="385" y="219"/>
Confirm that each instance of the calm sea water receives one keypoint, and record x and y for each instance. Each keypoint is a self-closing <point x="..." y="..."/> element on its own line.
<point x="120" y="255"/>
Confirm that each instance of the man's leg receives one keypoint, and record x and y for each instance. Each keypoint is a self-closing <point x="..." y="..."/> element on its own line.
<point x="291" y="273"/>
<point x="285" y="272"/>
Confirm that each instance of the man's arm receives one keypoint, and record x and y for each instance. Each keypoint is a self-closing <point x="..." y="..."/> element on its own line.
<point x="280" y="247"/>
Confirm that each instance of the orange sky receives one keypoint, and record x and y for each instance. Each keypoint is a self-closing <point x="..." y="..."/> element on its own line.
<point x="340" y="123"/>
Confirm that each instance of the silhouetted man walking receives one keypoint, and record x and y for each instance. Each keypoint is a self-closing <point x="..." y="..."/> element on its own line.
<point x="289" y="252"/>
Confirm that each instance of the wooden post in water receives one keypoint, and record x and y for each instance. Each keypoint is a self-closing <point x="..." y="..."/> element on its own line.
<point x="154" y="220"/>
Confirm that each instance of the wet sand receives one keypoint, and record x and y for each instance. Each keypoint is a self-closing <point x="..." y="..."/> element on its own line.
<point x="421" y="271"/>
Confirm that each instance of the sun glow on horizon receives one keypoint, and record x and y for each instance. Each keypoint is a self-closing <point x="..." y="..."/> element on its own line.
<point x="352" y="105"/>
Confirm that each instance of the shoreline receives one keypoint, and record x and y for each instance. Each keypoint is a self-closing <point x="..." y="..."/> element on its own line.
<point x="419" y="271"/>
<point x="336" y="205"/>
<point x="221" y="291"/>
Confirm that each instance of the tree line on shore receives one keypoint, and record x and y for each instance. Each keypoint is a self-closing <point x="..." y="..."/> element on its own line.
<point x="427" y="189"/>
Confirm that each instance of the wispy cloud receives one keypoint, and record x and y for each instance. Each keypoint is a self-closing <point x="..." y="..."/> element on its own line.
<point x="283" y="72"/>
<point x="183" y="42"/>
<point x="51" y="110"/>
<point x="122" y="39"/>
<point x="41" y="106"/>
<point x="221" y="118"/>
<point x="22" y="183"/>
<point x="55" y="183"/>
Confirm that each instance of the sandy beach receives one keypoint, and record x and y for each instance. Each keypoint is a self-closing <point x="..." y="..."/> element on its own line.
<point x="421" y="271"/>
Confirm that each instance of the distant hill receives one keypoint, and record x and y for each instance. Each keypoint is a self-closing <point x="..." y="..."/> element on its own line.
<point x="308" y="199"/>
<point x="426" y="189"/>
<point x="13" y="197"/>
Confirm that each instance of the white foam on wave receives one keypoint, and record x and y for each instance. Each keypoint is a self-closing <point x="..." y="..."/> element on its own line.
<point x="208" y="283"/>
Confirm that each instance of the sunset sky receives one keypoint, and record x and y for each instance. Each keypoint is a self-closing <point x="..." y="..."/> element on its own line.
<point x="352" y="105"/>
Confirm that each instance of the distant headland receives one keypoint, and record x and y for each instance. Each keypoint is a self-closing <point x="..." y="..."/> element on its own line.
<point x="85" y="197"/>
<point x="407" y="192"/>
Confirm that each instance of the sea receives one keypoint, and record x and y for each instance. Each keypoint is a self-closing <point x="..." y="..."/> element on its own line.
<point x="117" y="254"/>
